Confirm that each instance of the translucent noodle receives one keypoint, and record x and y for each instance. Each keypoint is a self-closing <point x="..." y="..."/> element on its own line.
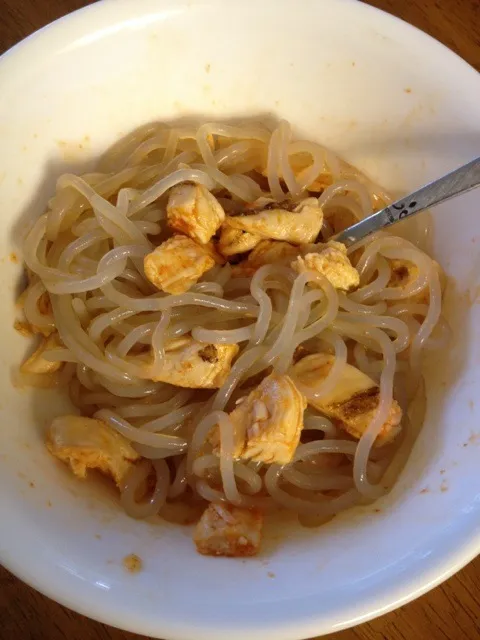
<point x="118" y="341"/>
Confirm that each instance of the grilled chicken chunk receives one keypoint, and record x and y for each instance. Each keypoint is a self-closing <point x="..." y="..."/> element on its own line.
<point x="333" y="263"/>
<point x="268" y="422"/>
<point x="86" y="443"/>
<point x="354" y="400"/>
<point x="177" y="264"/>
<point x="224" y="530"/>
<point x="196" y="365"/>
<point x="233" y="241"/>
<point x="194" y="211"/>
<point x="295" y="223"/>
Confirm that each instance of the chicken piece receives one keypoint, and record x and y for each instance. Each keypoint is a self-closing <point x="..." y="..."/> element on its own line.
<point x="36" y="363"/>
<point x="196" y="365"/>
<point x="225" y="530"/>
<point x="404" y="273"/>
<point x="213" y="253"/>
<point x="266" y="252"/>
<point x="353" y="401"/>
<point x="87" y="443"/>
<point x="177" y="264"/>
<point x="233" y="241"/>
<point x="268" y="422"/>
<point x="193" y="210"/>
<point x="333" y="263"/>
<point x="295" y="223"/>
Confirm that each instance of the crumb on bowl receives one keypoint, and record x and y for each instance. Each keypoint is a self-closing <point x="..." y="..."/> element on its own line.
<point x="133" y="563"/>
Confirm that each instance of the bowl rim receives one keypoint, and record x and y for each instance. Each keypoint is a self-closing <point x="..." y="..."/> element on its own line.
<point x="441" y="565"/>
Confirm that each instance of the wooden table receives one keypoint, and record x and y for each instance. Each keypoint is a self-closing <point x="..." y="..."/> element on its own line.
<point x="451" y="611"/>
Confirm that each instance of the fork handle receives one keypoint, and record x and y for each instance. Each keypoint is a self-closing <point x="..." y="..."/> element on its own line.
<point x="453" y="184"/>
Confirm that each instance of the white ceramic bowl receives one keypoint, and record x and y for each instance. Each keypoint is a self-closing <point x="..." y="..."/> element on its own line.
<point x="394" y="102"/>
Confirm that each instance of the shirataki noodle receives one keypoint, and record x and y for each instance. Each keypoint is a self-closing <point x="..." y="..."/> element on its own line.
<point x="86" y="252"/>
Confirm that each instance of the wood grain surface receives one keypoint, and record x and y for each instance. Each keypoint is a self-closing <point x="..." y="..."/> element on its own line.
<point x="451" y="611"/>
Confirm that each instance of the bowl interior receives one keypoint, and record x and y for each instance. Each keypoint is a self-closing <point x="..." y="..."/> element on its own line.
<point x="392" y="102"/>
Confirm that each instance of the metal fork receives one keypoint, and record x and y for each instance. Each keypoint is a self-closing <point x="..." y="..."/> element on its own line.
<point x="453" y="184"/>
